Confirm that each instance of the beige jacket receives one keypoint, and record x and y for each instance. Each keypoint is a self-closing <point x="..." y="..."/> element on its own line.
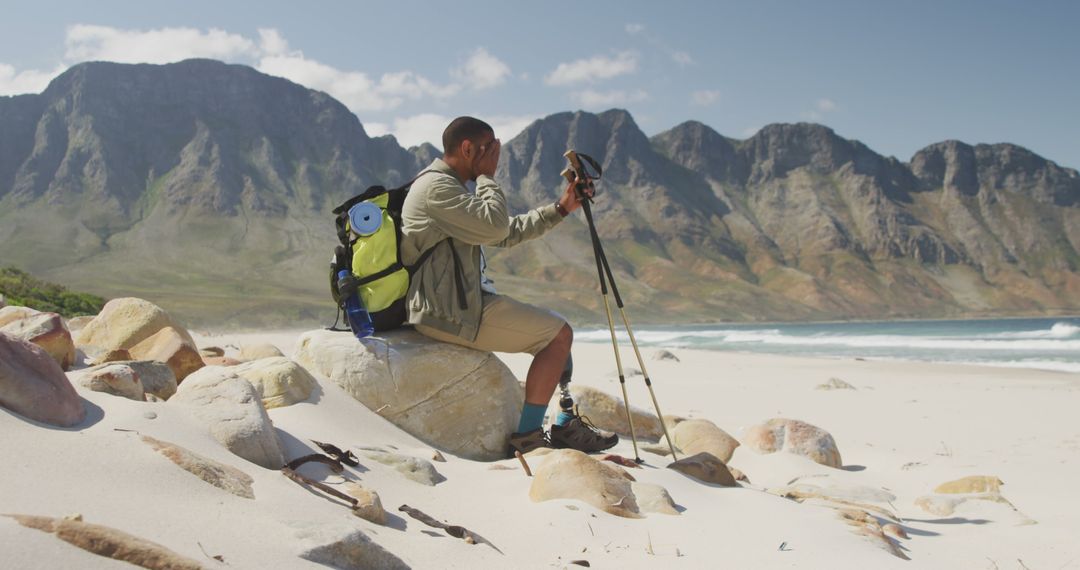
<point x="438" y="207"/>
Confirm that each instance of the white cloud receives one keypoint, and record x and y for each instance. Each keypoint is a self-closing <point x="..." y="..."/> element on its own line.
<point x="594" y="69"/>
<point x="482" y="70"/>
<point x="271" y="42"/>
<point x="682" y="58"/>
<point x="750" y="131"/>
<point x="163" y="45"/>
<point x="704" y="98"/>
<point x="635" y="28"/>
<point x="826" y="105"/>
<point x="591" y="99"/>
<point x="428" y="127"/>
<point x="13" y="82"/>
<point x="509" y="126"/>
<point x="821" y="108"/>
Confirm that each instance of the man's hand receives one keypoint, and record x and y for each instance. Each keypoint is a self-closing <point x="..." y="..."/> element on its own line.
<point x="487" y="160"/>
<point x="570" y="199"/>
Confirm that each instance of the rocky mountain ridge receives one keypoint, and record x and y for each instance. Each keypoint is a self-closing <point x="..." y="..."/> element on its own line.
<point x="207" y="187"/>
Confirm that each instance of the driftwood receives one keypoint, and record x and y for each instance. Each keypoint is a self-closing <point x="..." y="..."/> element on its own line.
<point x="334" y="451"/>
<point x="453" y="530"/>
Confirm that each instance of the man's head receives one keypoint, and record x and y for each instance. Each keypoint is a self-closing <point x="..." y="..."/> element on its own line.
<point x="467" y="141"/>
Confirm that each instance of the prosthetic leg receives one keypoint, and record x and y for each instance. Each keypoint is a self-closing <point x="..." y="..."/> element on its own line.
<point x="566" y="402"/>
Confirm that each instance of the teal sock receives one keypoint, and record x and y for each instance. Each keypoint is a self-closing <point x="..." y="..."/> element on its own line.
<point x="563" y="419"/>
<point x="532" y="417"/>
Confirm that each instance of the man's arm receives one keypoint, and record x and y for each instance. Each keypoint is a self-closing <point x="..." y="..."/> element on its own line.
<point x="478" y="219"/>
<point x="530" y="225"/>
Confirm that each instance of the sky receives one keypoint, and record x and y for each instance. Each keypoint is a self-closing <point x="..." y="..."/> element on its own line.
<point x="897" y="76"/>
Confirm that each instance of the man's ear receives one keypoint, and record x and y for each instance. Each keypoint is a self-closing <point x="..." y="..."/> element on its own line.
<point x="467" y="149"/>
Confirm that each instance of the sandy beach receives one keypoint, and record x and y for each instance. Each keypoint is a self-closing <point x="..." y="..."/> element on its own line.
<point x="902" y="429"/>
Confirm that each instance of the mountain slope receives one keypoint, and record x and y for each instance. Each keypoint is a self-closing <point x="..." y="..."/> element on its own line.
<point x="207" y="187"/>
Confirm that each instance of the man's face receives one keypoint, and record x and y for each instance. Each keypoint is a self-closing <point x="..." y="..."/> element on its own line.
<point x="479" y="149"/>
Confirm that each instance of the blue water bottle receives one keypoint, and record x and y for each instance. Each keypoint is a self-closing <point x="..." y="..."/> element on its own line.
<point x="359" y="319"/>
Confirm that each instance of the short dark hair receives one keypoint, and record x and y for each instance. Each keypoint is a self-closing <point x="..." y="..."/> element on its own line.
<point x="463" y="129"/>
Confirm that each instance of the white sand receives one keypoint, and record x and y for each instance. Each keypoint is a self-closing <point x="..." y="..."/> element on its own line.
<point x="907" y="428"/>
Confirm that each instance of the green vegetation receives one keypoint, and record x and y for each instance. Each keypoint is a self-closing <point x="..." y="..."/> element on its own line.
<point x="21" y="288"/>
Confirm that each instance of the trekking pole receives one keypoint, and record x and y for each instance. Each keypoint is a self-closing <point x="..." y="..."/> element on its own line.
<point x="579" y="173"/>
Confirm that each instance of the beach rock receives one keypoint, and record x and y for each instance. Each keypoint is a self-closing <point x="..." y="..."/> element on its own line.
<point x="114" y="355"/>
<point x="231" y="410"/>
<point x="894" y="530"/>
<point x="840" y="493"/>
<point x="414" y="468"/>
<point x="173" y="347"/>
<point x="971" y="484"/>
<point x="571" y="474"/>
<point x="279" y="381"/>
<point x="696" y="436"/>
<point x="437" y="455"/>
<point x="256" y="351"/>
<point x="737" y="474"/>
<point x="793" y="436"/>
<point x="608" y="413"/>
<point x="76" y="324"/>
<point x="665" y="355"/>
<point x="125" y="322"/>
<point x="835" y="384"/>
<point x="109" y="542"/>
<point x="157" y="378"/>
<point x="368" y="505"/>
<point x="220" y="361"/>
<point x="116" y="379"/>
<point x="222" y="476"/>
<point x="459" y="400"/>
<point x="939" y="505"/>
<point x="660" y="449"/>
<point x="46" y="330"/>
<point x="653" y="499"/>
<point x="211" y="351"/>
<point x="343" y="546"/>
<point x="705" y="467"/>
<point x="672" y="420"/>
<point x="33" y="385"/>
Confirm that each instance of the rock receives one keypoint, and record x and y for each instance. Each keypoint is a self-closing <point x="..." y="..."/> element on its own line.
<point x="168" y="345"/>
<point x="157" y="378"/>
<point x="653" y="499"/>
<point x="894" y="530"/>
<point x="704" y="467"/>
<point x="211" y="351"/>
<point x="839" y="493"/>
<point x="793" y="436"/>
<point x="419" y="470"/>
<point x="125" y="322"/>
<point x="343" y="546"/>
<point x="671" y="420"/>
<point x="76" y="324"/>
<point x="256" y="351"/>
<point x="222" y="476"/>
<point x="368" y="505"/>
<point x="231" y="410"/>
<point x="696" y="436"/>
<point x="3" y="301"/>
<point x="737" y="474"/>
<point x="570" y="474"/>
<point x="665" y="355"/>
<point x="939" y="505"/>
<point x="114" y="355"/>
<point x="608" y="413"/>
<point x="459" y="400"/>
<point x="33" y="385"/>
<point x="660" y="449"/>
<point x="279" y="381"/>
<point x="436" y="455"/>
<point x="116" y="379"/>
<point x="46" y="330"/>
<point x="109" y="542"/>
<point x="971" y="484"/>
<point x="220" y="361"/>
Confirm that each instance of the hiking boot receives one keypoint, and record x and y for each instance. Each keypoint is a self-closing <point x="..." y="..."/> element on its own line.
<point x="528" y="441"/>
<point x="580" y="434"/>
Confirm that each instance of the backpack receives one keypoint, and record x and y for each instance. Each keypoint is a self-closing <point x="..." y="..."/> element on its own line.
<point x="371" y="252"/>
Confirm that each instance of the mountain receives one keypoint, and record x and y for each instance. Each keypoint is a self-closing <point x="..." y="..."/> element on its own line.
<point x="207" y="187"/>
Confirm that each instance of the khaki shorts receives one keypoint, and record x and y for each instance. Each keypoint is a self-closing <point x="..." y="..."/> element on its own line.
<point x="507" y="325"/>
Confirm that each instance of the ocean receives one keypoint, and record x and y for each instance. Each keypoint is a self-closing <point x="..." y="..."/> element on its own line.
<point x="1048" y="344"/>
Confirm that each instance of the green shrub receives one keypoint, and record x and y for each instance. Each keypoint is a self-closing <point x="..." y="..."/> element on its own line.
<point x="21" y="288"/>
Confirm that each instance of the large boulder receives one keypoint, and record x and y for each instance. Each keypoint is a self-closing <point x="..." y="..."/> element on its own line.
<point x="157" y="378"/>
<point x="279" y="381"/>
<point x="145" y="330"/>
<point x="697" y="436"/>
<point x="46" y="330"/>
<point x="232" y="412"/>
<point x="705" y="467"/>
<point x="173" y="347"/>
<point x="793" y="436"/>
<point x="459" y="400"/>
<point x="571" y="474"/>
<point x="33" y="385"/>
<point x="116" y="379"/>
<point x="607" y="412"/>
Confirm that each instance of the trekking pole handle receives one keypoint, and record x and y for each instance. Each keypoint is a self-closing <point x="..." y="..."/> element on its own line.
<point x="576" y="173"/>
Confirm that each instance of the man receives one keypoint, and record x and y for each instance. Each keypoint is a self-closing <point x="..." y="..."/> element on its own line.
<point x="451" y="300"/>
